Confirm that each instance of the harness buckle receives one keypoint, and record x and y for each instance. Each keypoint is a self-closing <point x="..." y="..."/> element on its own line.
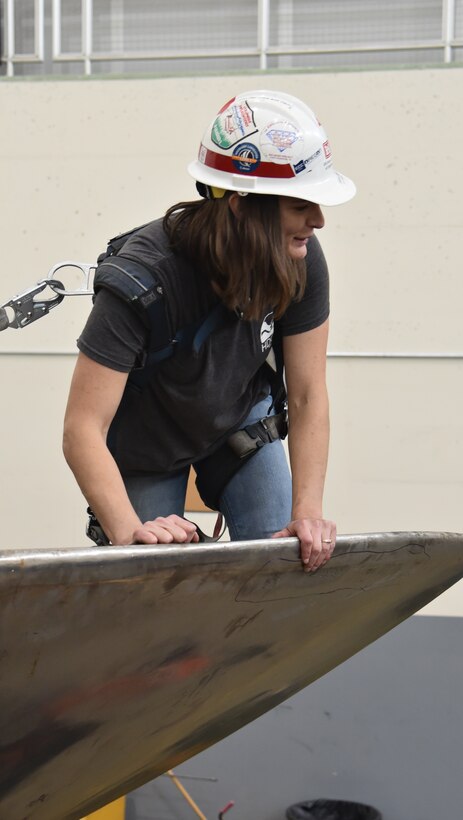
<point x="95" y="531"/>
<point x="254" y="436"/>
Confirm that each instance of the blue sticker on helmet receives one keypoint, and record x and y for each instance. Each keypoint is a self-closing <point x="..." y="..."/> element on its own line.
<point x="246" y="158"/>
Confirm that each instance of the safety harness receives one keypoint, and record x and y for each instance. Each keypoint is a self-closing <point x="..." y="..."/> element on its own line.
<point x="137" y="285"/>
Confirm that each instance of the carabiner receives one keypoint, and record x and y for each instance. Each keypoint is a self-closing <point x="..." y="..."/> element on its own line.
<point x="26" y="308"/>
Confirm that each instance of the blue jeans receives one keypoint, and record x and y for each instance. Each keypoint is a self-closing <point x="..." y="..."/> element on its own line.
<point x="255" y="503"/>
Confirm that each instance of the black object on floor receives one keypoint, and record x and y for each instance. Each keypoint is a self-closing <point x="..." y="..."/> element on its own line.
<point x="332" y="810"/>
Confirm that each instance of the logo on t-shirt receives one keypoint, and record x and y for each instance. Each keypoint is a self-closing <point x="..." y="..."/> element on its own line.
<point x="266" y="332"/>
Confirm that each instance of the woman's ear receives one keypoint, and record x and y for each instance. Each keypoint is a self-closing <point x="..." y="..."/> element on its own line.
<point x="234" y="204"/>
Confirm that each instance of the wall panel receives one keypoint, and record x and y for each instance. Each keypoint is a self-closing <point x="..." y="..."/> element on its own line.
<point x="83" y="160"/>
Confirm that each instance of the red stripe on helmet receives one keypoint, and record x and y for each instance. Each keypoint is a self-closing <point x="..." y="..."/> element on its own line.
<point x="259" y="168"/>
<point x="226" y="105"/>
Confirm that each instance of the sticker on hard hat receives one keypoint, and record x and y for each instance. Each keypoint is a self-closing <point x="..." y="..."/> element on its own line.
<point x="303" y="164"/>
<point x="277" y="141"/>
<point x="233" y="124"/>
<point x="246" y="158"/>
<point x="250" y="159"/>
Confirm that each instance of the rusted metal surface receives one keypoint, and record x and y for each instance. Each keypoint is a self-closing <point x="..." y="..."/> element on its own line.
<point x="117" y="664"/>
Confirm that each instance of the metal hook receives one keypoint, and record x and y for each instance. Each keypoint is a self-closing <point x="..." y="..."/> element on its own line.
<point x="27" y="308"/>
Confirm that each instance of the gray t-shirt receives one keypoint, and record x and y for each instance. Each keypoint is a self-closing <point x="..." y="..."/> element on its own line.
<point x="191" y="401"/>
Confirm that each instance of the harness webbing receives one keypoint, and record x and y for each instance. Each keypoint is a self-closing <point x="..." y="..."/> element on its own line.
<point x="137" y="284"/>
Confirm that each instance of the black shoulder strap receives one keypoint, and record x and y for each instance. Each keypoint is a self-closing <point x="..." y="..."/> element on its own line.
<point x="117" y="242"/>
<point x="137" y="284"/>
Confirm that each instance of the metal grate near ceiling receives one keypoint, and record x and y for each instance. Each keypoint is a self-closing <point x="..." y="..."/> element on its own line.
<point x="197" y="36"/>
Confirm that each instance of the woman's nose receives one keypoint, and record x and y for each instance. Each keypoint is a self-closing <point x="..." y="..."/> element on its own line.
<point x="315" y="216"/>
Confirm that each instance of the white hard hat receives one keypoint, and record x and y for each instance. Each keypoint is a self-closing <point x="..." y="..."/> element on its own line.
<point x="267" y="142"/>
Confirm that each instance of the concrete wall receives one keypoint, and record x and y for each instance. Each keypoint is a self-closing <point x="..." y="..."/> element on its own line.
<point x="83" y="160"/>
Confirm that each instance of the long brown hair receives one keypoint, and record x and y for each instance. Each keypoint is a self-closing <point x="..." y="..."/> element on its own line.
<point x="244" y="256"/>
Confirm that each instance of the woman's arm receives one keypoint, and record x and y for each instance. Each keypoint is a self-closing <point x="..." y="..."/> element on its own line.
<point x="308" y="410"/>
<point x="94" y="397"/>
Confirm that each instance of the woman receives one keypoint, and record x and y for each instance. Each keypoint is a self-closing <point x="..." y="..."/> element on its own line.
<point x="241" y="268"/>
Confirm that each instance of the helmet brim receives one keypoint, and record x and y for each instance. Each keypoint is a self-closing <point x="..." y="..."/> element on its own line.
<point x="336" y="189"/>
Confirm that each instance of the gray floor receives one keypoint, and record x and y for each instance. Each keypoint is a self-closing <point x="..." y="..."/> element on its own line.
<point x="384" y="728"/>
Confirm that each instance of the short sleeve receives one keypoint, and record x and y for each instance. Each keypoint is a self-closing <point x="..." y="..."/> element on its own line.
<point x="114" y="335"/>
<point x="314" y="307"/>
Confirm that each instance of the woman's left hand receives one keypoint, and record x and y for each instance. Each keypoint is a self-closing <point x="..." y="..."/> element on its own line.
<point x="317" y="538"/>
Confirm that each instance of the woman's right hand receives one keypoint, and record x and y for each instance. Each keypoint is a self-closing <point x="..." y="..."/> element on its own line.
<point x="169" y="530"/>
<point x="95" y="394"/>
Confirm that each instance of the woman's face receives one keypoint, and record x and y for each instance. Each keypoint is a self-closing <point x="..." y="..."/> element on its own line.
<point x="298" y="222"/>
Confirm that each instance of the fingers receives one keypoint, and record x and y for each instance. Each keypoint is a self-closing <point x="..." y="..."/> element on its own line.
<point x="311" y="545"/>
<point x="169" y="530"/>
<point x="317" y="538"/>
<point x="282" y="533"/>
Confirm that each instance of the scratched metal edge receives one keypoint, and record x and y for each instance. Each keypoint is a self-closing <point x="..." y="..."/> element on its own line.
<point x="30" y="563"/>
